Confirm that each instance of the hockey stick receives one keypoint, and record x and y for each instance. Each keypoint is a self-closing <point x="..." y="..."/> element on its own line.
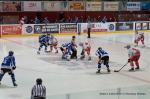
<point x="121" y="67"/>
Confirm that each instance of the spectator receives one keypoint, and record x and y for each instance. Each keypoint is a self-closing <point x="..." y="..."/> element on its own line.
<point x="99" y="19"/>
<point x="76" y="20"/>
<point x="31" y="21"/>
<point x="67" y="20"/>
<point x="22" y="21"/>
<point x="45" y="21"/>
<point x="81" y="20"/>
<point x="36" y="21"/>
<point x="1" y="19"/>
<point x="88" y="19"/>
<point x="38" y="90"/>
<point x="71" y="20"/>
<point x="104" y="20"/>
<point x="25" y="19"/>
<point x="56" y="21"/>
<point x="95" y="20"/>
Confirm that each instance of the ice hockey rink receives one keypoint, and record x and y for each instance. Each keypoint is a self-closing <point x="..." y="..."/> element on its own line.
<point x="77" y="79"/>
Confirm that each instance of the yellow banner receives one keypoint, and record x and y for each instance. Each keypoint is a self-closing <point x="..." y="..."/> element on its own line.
<point x="76" y="6"/>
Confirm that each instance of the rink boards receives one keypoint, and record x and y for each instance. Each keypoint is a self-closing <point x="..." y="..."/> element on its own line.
<point x="73" y="28"/>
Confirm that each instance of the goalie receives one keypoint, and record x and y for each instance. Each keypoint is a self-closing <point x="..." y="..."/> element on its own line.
<point x="66" y="51"/>
<point x="73" y="48"/>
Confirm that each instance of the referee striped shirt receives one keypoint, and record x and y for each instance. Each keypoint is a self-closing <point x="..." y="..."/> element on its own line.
<point x="38" y="91"/>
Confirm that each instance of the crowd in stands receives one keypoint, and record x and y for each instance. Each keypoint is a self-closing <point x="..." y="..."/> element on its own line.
<point x="75" y="19"/>
<point x="36" y="20"/>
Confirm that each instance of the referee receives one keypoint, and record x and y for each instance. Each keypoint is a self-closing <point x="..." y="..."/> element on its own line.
<point x="38" y="90"/>
<point x="89" y="29"/>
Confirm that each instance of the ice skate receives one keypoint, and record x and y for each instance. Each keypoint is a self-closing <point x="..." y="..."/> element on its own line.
<point x="108" y="70"/>
<point x="98" y="71"/>
<point x="89" y="59"/>
<point x="15" y="85"/>
<point x="137" y="68"/>
<point x="132" y="69"/>
<point x="38" y="52"/>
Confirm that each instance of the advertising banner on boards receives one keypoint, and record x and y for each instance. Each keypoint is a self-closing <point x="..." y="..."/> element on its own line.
<point x="68" y="28"/>
<point x="141" y="26"/>
<point x="124" y="26"/>
<point x="28" y="29"/>
<point x="49" y="28"/>
<point x="11" y="30"/>
<point x="98" y="27"/>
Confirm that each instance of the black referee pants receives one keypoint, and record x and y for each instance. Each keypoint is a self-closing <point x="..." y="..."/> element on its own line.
<point x="89" y="32"/>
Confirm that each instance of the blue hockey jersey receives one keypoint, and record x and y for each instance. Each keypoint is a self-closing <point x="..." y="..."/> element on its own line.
<point x="8" y="62"/>
<point x="101" y="53"/>
<point x="68" y="46"/>
<point x="44" y="39"/>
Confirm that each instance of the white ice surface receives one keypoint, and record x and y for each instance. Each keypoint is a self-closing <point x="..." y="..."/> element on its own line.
<point x="61" y="78"/>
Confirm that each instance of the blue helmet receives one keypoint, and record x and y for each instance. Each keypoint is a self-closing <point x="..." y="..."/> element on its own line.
<point x="11" y="53"/>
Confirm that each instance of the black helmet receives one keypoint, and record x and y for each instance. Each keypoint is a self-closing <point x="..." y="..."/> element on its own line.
<point x="73" y="37"/>
<point x="11" y="53"/>
<point x="38" y="81"/>
<point x="100" y="48"/>
<point x="127" y="46"/>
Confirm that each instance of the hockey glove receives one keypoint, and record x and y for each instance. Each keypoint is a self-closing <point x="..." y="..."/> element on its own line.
<point x="14" y="67"/>
<point x="129" y="60"/>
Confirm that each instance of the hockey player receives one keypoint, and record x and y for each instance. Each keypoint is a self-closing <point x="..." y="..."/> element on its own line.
<point x="66" y="50"/>
<point x="44" y="41"/>
<point x="53" y="43"/>
<point x="74" y="48"/>
<point x="8" y="66"/>
<point x="103" y="57"/>
<point x="86" y="48"/>
<point x="139" y="36"/>
<point x="134" y="55"/>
